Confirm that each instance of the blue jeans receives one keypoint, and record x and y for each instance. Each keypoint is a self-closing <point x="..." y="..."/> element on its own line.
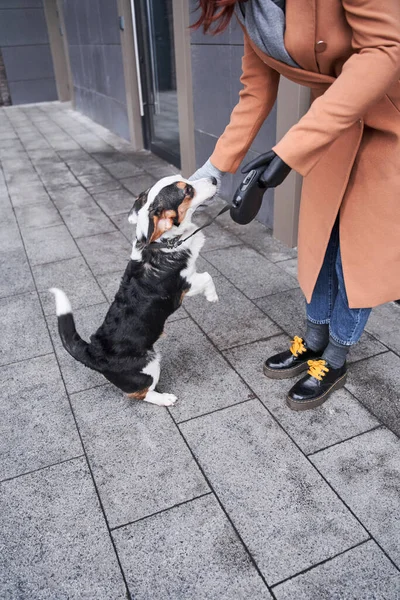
<point x="329" y="303"/>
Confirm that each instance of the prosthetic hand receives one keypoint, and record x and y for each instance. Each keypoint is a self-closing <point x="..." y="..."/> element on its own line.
<point x="266" y="171"/>
<point x="208" y="170"/>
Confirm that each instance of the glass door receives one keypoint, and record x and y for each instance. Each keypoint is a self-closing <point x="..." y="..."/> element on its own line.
<point x="155" y="36"/>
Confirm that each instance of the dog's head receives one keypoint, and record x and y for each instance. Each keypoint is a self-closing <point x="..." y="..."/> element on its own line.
<point x="168" y="205"/>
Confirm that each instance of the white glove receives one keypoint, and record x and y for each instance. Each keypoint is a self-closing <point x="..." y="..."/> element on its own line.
<point x="208" y="170"/>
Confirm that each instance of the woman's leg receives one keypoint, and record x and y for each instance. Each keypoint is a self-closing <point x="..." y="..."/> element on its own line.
<point x="294" y="361"/>
<point x="346" y="324"/>
<point x="329" y="373"/>
<point x="320" y="309"/>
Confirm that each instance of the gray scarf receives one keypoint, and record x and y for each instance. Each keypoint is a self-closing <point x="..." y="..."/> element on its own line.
<point x="264" y="21"/>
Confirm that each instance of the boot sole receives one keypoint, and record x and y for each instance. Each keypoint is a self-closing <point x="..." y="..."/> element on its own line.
<point x="285" y="373"/>
<point x="308" y="404"/>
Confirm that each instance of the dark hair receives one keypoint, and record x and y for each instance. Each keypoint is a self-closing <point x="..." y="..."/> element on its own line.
<point x="215" y="13"/>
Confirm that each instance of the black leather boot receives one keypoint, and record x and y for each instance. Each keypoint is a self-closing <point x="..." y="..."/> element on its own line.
<point x="290" y="363"/>
<point x="315" y="388"/>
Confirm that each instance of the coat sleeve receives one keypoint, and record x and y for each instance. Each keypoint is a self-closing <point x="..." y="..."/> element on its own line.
<point x="256" y="99"/>
<point x="366" y="76"/>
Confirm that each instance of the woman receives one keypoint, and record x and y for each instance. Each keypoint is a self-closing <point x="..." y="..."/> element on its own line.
<point x="347" y="148"/>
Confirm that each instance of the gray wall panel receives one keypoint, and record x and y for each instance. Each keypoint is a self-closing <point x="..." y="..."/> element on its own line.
<point x="26" y="52"/>
<point x="96" y="62"/>
<point x="211" y="75"/>
<point x="114" y="71"/>
<point x="109" y="22"/>
<point x="21" y="4"/>
<point x="22" y="27"/>
<point x="216" y="70"/>
<point x="36" y="90"/>
<point x="28" y="62"/>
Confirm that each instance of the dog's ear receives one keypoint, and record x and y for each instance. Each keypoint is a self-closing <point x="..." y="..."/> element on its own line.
<point x="138" y="204"/>
<point x="160" y="221"/>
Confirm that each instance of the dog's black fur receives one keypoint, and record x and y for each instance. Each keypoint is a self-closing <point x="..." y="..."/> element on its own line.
<point x="151" y="289"/>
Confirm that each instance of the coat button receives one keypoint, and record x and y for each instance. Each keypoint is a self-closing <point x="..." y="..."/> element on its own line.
<point x="320" y="46"/>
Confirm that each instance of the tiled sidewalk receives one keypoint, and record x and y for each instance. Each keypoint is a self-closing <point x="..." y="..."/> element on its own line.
<point x="228" y="495"/>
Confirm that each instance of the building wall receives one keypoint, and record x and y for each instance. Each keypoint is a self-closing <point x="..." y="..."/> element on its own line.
<point x="26" y="52"/>
<point x="96" y="62"/>
<point x="216" y="70"/>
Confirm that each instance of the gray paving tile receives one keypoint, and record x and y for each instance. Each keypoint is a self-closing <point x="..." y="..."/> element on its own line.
<point x="49" y="168"/>
<point x="83" y="218"/>
<point x="109" y="283"/>
<point x="366" y="347"/>
<point x="74" y="277"/>
<point x="113" y="156"/>
<point x="36" y="424"/>
<point x="37" y="215"/>
<point x="77" y="377"/>
<point x="251" y="273"/>
<point x="161" y="170"/>
<point x="363" y="572"/>
<point x="145" y="465"/>
<point x="204" y="558"/>
<point x="10" y="153"/>
<point x="288" y="310"/>
<point x="122" y="169"/>
<point x="59" y="179"/>
<point x="290" y="266"/>
<point x="339" y="418"/>
<point x="99" y="182"/>
<point x="49" y="244"/>
<point x="202" y="265"/>
<point x="139" y="183"/>
<point x="144" y="159"/>
<point x="287" y="516"/>
<point x="23" y="329"/>
<point x="69" y="552"/>
<point x="63" y="144"/>
<point x="216" y="237"/>
<point x="376" y="383"/>
<point x="32" y="193"/>
<point x="232" y="321"/>
<point x="196" y="373"/>
<point x="67" y="196"/>
<point x="121" y="221"/>
<point x="74" y="156"/>
<point x="10" y="238"/>
<point x="365" y="472"/>
<point x="384" y="324"/>
<point x="39" y="157"/>
<point x="21" y="178"/>
<point x="15" y="274"/>
<point x="115" y="202"/>
<point x="106" y="252"/>
<point x="20" y="166"/>
<point x="259" y="237"/>
<point x="85" y="167"/>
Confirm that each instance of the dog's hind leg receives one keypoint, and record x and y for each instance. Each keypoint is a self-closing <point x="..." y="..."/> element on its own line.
<point x="153" y="369"/>
<point x="202" y="283"/>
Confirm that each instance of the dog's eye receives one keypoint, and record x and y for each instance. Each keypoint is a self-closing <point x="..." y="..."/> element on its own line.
<point x="189" y="191"/>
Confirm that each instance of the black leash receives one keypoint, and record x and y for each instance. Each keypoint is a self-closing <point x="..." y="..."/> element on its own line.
<point x="175" y="242"/>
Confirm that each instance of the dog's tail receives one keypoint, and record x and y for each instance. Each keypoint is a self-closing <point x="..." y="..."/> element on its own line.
<point x="71" y="340"/>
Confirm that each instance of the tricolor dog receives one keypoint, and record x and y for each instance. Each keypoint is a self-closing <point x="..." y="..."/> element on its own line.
<point x="159" y="274"/>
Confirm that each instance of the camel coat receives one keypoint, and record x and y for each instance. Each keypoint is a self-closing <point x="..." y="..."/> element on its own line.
<point x="347" y="146"/>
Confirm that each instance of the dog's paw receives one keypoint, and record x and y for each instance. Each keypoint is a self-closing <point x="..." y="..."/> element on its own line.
<point x="212" y="296"/>
<point x="167" y="399"/>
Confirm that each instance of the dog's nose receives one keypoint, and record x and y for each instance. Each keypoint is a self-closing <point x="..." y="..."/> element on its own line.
<point x="214" y="180"/>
